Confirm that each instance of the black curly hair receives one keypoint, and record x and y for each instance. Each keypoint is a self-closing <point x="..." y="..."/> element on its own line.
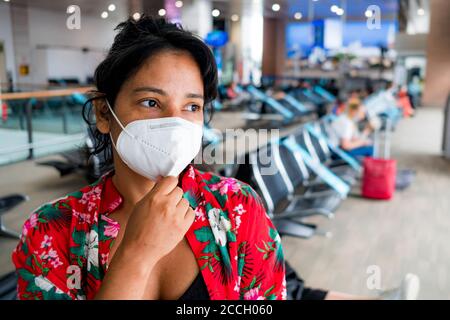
<point x="137" y="41"/>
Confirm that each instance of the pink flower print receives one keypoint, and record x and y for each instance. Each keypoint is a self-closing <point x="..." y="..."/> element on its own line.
<point x="47" y="242"/>
<point x="43" y="256"/>
<point x="52" y="254"/>
<point x="225" y="185"/>
<point x="237" y="220"/>
<point x="199" y="214"/>
<point x="105" y="258"/>
<point x="56" y="263"/>
<point x="191" y="173"/>
<point x="33" y="220"/>
<point x="237" y="212"/>
<point x="237" y="286"/>
<point x="239" y="209"/>
<point x="253" y="294"/>
<point x="30" y="224"/>
<point x="90" y="198"/>
<point x="91" y="205"/>
<point x="113" y="227"/>
<point x="82" y="217"/>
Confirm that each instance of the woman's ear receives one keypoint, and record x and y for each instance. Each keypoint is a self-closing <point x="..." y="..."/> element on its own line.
<point x="101" y="115"/>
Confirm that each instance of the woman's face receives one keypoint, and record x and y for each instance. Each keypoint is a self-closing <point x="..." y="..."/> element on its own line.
<point x="168" y="84"/>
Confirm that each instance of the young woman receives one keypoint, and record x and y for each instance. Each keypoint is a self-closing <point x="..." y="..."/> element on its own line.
<point x="154" y="227"/>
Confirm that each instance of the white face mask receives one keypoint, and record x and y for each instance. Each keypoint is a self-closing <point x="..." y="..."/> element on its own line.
<point x="158" y="147"/>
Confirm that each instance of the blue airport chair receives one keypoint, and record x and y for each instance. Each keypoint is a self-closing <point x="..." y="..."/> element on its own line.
<point x="271" y="102"/>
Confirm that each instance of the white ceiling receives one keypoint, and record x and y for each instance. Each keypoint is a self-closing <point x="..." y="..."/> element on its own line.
<point x="90" y="7"/>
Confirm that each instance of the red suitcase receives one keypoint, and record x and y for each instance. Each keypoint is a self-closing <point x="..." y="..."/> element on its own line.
<point x="379" y="178"/>
<point x="379" y="174"/>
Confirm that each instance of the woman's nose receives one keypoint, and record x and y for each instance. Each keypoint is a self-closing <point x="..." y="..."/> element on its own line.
<point x="172" y="112"/>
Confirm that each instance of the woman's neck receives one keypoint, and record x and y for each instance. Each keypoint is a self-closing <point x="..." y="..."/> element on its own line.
<point x="131" y="186"/>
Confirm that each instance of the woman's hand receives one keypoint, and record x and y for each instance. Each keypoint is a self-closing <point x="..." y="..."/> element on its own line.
<point x="156" y="225"/>
<point x="159" y="221"/>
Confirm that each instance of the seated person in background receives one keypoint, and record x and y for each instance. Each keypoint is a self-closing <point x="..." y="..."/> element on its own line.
<point x="346" y="133"/>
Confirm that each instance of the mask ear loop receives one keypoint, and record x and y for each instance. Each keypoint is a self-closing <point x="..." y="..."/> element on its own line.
<point x="118" y="121"/>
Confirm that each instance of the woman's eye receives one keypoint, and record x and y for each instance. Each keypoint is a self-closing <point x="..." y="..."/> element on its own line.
<point x="193" y="107"/>
<point x="149" y="103"/>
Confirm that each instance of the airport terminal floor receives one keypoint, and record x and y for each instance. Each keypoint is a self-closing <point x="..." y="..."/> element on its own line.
<point x="407" y="234"/>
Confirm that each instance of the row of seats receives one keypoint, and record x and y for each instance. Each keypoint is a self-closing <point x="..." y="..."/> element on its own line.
<point x="297" y="177"/>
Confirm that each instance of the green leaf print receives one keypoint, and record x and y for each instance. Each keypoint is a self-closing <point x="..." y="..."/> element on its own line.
<point x="95" y="271"/>
<point x="49" y="212"/>
<point x="222" y="199"/>
<point x="252" y="284"/>
<point x="25" y="274"/>
<point x="231" y="236"/>
<point x="77" y="194"/>
<point x="214" y="179"/>
<point x="273" y="234"/>
<point x="216" y="256"/>
<point x="52" y="295"/>
<point x="25" y="248"/>
<point x="205" y="234"/>
<point x="241" y="263"/>
<point x="102" y="224"/>
<point x="191" y="199"/>
<point x="225" y="258"/>
<point x="79" y="237"/>
<point x="268" y="290"/>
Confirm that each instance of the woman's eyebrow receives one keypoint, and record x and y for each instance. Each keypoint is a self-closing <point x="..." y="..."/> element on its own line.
<point x="195" y="96"/>
<point x="150" y="89"/>
<point x="163" y="93"/>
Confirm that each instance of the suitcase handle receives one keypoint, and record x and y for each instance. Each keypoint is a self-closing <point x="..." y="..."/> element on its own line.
<point x="386" y="144"/>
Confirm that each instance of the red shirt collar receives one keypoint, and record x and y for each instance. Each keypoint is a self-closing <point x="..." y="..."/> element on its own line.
<point x="111" y="198"/>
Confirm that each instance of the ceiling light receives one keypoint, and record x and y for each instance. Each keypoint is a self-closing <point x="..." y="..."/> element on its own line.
<point x="179" y="4"/>
<point x="234" y="18"/>
<point x="297" y="15"/>
<point x="420" y="11"/>
<point x="104" y="15"/>
<point x="162" y="12"/>
<point x="70" y="9"/>
<point x="340" y="12"/>
<point x="112" y="7"/>
<point x="369" y="13"/>
<point x="136" y="16"/>
<point x="215" y="13"/>
<point x="276" y="7"/>
<point x="334" y="8"/>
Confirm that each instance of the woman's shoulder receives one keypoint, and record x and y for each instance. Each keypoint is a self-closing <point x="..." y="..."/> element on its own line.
<point x="63" y="213"/>
<point x="234" y="199"/>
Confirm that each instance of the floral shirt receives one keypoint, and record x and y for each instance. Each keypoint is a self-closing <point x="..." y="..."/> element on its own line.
<point x="64" y="247"/>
